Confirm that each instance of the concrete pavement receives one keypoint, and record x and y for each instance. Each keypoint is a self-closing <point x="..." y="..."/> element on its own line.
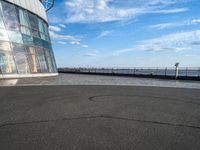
<point x="99" y="118"/>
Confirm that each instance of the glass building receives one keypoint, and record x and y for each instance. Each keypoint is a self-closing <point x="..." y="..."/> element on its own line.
<point x="25" y="46"/>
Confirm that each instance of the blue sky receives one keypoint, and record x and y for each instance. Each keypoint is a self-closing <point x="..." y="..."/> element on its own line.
<point x="125" y="33"/>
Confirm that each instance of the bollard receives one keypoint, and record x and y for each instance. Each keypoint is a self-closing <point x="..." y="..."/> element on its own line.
<point x="186" y="72"/>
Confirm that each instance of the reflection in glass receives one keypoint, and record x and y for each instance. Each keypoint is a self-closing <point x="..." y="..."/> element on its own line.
<point x="25" y="30"/>
<point x="15" y="37"/>
<point x="1" y="17"/>
<point x="9" y="14"/>
<point x="27" y="39"/>
<point x="6" y="63"/>
<point x="24" y="42"/>
<point x="3" y="35"/>
<point x="41" y="59"/>
<point x="32" y="58"/>
<point x="49" y="60"/>
<point x="20" y="59"/>
<point x="5" y="46"/>
<point x="33" y="21"/>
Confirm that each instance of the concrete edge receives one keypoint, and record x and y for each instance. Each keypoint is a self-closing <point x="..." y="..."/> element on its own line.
<point x="13" y="76"/>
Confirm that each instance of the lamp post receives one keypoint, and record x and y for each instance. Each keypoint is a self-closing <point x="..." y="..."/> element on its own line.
<point x="176" y="70"/>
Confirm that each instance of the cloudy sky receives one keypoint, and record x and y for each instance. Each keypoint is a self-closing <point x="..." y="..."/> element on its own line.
<point x="125" y="33"/>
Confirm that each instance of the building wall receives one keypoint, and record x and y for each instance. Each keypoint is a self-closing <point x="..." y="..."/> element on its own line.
<point x="33" y="6"/>
<point x="25" y="46"/>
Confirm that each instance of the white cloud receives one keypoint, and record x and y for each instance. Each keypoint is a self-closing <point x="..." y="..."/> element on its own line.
<point x="94" y="53"/>
<point x="61" y="42"/>
<point x="171" y="11"/>
<point x="163" y="25"/>
<point x="62" y="25"/>
<point x="196" y="20"/>
<point x="75" y="42"/>
<point x="173" y="42"/>
<point x="84" y="46"/>
<point x="64" y="38"/>
<point x="91" y="54"/>
<point x="105" y="33"/>
<point x="189" y="55"/>
<point x="54" y="28"/>
<point x="107" y="10"/>
<point x="175" y="24"/>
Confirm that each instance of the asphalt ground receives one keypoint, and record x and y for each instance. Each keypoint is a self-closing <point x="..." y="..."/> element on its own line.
<point x="99" y="118"/>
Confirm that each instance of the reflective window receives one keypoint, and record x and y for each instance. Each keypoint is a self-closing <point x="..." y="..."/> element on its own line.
<point x="10" y="18"/>
<point x="1" y="17"/>
<point x="41" y="29"/>
<point x="5" y="46"/>
<point x="27" y="39"/>
<point x="6" y="63"/>
<point x="33" y="21"/>
<point x="15" y="37"/>
<point x="3" y="35"/>
<point x="53" y="62"/>
<point x="23" y="18"/>
<point x="37" y="42"/>
<point x="32" y="59"/>
<point x="41" y="59"/>
<point x="35" y="33"/>
<point x="25" y="30"/>
<point x="24" y="42"/>
<point x="21" y="60"/>
<point x="49" y="60"/>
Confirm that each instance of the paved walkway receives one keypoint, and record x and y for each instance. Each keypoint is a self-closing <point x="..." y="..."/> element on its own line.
<point x="99" y="118"/>
<point x="77" y="79"/>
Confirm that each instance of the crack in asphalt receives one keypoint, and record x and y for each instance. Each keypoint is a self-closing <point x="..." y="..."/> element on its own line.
<point x="92" y="98"/>
<point x="105" y="117"/>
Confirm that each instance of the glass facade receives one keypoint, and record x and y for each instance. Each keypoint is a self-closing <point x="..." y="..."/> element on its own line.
<point x="25" y="46"/>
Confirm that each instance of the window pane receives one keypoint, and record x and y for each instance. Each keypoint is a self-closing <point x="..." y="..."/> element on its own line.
<point x="42" y="36"/>
<point x="1" y="17"/>
<point x="27" y="39"/>
<point x="32" y="59"/>
<point x="5" y="46"/>
<point x="37" y="42"/>
<point x="33" y="21"/>
<point x="35" y="33"/>
<point x="41" y="59"/>
<point x="3" y="35"/>
<point x="21" y="60"/>
<point x="41" y="26"/>
<point x="53" y="61"/>
<point x="9" y="14"/>
<point x="48" y="60"/>
<point x="25" y="30"/>
<point x="6" y="63"/>
<point x="15" y="37"/>
<point x="18" y="48"/>
<point x="23" y="18"/>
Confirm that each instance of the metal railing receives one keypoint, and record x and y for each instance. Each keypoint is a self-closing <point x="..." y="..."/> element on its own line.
<point x="186" y="72"/>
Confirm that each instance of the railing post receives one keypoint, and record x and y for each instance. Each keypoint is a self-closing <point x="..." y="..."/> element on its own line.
<point x="165" y="71"/>
<point x="199" y="73"/>
<point x="156" y="71"/>
<point x="186" y="72"/>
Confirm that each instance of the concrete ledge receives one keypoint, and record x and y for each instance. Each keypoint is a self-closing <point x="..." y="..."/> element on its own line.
<point x="10" y="76"/>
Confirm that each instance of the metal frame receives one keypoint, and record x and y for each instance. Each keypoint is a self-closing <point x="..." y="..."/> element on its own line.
<point x="48" y="4"/>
